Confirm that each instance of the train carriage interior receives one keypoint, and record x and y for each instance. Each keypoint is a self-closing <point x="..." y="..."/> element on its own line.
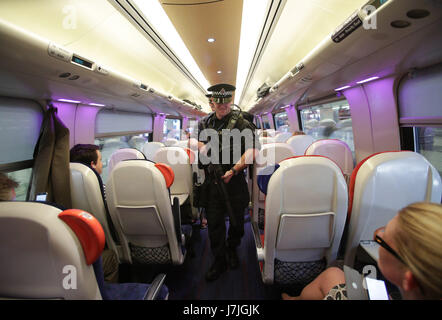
<point x="345" y="95"/>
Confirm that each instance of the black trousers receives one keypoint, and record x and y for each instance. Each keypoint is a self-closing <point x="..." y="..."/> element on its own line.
<point x="216" y="211"/>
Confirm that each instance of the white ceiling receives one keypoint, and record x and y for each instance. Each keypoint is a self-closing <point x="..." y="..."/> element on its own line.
<point x="97" y="30"/>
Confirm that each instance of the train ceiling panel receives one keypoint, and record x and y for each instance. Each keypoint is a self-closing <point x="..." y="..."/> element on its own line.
<point x="96" y="30"/>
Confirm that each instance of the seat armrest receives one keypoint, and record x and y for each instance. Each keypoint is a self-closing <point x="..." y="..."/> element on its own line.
<point x="177" y="219"/>
<point x="155" y="287"/>
<point x="258" y="244"/>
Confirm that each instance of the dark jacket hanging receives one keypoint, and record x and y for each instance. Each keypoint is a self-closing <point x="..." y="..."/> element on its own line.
<point x="51" y="172"/>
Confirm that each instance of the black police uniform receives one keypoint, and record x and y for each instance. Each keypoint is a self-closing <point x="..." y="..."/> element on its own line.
<point x="238" y="194"/>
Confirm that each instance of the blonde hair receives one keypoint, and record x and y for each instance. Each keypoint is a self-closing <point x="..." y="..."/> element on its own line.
<point x="298" y="133"/>
<point x="419" y="243"/>
<point x="6" y="185"/>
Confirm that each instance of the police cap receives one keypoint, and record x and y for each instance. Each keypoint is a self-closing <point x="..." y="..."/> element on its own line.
<point x="222" y="93"/>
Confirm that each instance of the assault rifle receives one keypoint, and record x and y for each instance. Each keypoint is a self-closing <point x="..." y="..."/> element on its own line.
<point x="215" y="173"/>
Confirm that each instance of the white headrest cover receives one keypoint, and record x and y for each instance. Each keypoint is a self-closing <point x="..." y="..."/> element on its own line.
<point x="336" y="150"/>
<point x="179" y="161"/>
<point x="150" y="148"/>
<point x="300" y="143"/>
<point x="170" y="142"/>
<point x="273" y="153"/>
<point x="265" y="140"/>
<point x="124" y="154"/>
<point x="38" y="252"/>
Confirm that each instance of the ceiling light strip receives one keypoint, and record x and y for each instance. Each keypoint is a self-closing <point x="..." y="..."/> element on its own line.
<point x="247" y="66"/>
<point x="157" y="17"/>
<point x="136" y="17"/>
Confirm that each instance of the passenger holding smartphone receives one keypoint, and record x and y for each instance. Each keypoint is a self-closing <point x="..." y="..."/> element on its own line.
<point x="410" y="257"/>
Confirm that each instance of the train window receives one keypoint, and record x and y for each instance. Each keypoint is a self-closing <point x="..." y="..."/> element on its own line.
<point x="192" y="126"/>
<point x="420" y="95"/>
<point x="265" y="122"/>
<point x="282" y="122"/>
<point x="428" y="142"/>
<point x="118" y="123"/>
<point x="419" y="108"/>
<point x="20" y="122"/>
<point x="329" y="121"/>
<point x="257" y="122"/>
<point x="172" y="128"/>
<point x="109" y="145"/>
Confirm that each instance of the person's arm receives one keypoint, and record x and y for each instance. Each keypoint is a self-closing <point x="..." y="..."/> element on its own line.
<point x="195" y="144"/>
<point x="247" y="158"/>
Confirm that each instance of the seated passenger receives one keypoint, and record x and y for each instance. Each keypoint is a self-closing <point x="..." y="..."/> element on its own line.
<point x="7" y="188"/>
<point x="414" y="264"/>
<point x="90" y="155"/>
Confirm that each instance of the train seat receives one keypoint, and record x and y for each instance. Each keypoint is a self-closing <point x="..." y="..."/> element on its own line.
<point x="180" y="162"/>
<point x="380" y="186"/>
<point x="124" y="154"/>
<point x="282" y="136"/>
<point x="87" y="193"/>
<point x="182" y="144"/>
<point x="337" y="151"/>
<point x="300" y="143"/>
<point x="48" y="253"/>
<point x="269" y="154"/>
<point x="150" y="148"/>
<point x="305" y="212"/>
<point x="266" y="140"/>
<point x="139" y="203"/>
<point x="170" y="142"/>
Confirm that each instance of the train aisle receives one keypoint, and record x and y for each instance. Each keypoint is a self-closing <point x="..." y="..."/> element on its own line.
<point x="186" y="282"/>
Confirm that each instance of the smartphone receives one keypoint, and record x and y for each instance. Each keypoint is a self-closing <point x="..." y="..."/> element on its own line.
<point x="376" y="289"/>
<point x="41" y="196"/>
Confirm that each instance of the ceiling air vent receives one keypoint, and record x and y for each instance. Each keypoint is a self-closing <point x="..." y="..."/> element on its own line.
<point x="135" y="95"/>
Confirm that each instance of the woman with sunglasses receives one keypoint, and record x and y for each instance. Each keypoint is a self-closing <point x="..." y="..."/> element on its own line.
<point x="410" y="257"/>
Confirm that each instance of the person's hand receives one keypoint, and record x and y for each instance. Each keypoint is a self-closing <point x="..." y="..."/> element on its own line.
<point x="204" y="149"/>
<point x="227" y="176"/>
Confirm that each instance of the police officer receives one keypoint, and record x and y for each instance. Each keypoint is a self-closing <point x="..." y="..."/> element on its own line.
<point x="232" y="198"/>
<point x="212" y="106"/>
